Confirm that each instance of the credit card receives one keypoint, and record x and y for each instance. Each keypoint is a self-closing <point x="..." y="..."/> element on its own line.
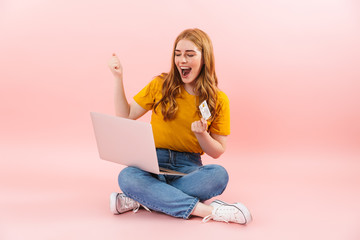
<point x="204" y="109"/>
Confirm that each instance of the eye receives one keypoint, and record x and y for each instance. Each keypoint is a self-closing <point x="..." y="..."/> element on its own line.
<point x="191" y="55"/>
<point x="177" y="54"/>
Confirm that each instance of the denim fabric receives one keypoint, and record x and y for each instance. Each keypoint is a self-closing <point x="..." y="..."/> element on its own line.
<point x="174" y="195"/>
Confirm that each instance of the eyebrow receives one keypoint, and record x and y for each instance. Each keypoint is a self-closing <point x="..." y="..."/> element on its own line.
<point x="176" y="50"/>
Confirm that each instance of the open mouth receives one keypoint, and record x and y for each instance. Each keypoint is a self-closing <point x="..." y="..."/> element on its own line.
<point x="185" y="71"/>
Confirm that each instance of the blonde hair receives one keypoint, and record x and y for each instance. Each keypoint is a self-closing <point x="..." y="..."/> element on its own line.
<point x="205" y="84"/>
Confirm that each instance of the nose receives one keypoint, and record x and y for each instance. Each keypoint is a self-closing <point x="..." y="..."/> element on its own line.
<point x="183" y="59"/>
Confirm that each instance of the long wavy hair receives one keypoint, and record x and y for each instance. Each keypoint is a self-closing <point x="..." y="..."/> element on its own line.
<point x="205" y="84"/>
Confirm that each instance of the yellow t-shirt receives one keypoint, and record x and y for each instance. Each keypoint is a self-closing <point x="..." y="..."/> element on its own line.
<point x="176" y="134"/>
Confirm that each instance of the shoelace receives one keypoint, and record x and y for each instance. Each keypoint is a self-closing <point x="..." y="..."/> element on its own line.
<point x="138" y="207"/>
<point x="209" y="217"/>
<point x="128" y="202"/>
<point x="219" y="217"/>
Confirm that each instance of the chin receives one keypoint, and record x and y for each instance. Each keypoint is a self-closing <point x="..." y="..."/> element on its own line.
<point x="187" y="80"/>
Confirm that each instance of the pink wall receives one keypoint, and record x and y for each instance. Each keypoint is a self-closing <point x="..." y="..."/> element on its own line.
<point x="290" y="68"/>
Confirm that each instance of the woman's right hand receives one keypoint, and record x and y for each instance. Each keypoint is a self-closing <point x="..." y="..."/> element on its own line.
<point x="115" y="67"/>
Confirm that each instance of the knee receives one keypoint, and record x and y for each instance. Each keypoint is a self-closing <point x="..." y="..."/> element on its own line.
<point x="220" y="175"/>
<point x="126" y="177"/>
<point x="214" y="182"/>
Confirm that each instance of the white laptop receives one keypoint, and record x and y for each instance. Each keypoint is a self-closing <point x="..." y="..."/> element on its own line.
<point x="127" y="142"/>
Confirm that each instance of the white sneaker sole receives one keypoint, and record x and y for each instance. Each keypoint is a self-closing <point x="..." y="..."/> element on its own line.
<point x="113" y="199"/>
<point x="246" y="213"/>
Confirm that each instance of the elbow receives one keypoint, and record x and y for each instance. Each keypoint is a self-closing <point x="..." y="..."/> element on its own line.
<point x="122" y="116"/>
<point x="216" y="155"/>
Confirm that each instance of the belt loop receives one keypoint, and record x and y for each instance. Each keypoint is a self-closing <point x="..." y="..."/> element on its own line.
<point x="172" y="157"/>
<point x="169" y="156"/>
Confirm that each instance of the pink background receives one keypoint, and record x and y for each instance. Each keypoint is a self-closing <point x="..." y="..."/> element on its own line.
<point x="291" y="72"/>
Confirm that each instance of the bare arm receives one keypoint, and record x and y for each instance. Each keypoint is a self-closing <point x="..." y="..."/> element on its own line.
<point x="212" y="144"/>
<point x="122" y="106"/>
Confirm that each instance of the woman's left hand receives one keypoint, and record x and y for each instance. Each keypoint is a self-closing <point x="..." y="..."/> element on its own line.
<point x="199" y="126"/>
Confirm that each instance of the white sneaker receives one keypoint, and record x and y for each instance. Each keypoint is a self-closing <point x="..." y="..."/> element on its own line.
<point x="225" y="212"/>
<point x="119" y="203"/>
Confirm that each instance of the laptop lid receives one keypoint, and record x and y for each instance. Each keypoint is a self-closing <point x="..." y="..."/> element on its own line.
<point x="127" y="142"/>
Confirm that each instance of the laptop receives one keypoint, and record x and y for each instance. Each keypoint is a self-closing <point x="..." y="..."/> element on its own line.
<point x="127" y="142"/>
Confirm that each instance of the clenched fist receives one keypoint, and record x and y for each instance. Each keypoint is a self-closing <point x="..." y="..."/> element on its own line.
<point x="115" y="66"/>
<point x="199" y="126"/>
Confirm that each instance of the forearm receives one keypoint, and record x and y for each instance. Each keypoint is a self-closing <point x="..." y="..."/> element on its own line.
<point x="122" y="108"/>
<point x="209" y="145"/>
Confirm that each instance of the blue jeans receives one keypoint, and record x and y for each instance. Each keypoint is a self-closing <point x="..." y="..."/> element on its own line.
<point x="174" y="195"/>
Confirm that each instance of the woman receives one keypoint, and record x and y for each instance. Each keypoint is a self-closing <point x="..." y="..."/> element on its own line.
<point x="181" y="136"/>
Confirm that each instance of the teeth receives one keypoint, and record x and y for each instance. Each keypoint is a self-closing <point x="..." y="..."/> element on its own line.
<point x="184" y="68"/>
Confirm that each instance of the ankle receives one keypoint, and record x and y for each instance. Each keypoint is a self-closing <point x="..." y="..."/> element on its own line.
<point x="202" y="210"/>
